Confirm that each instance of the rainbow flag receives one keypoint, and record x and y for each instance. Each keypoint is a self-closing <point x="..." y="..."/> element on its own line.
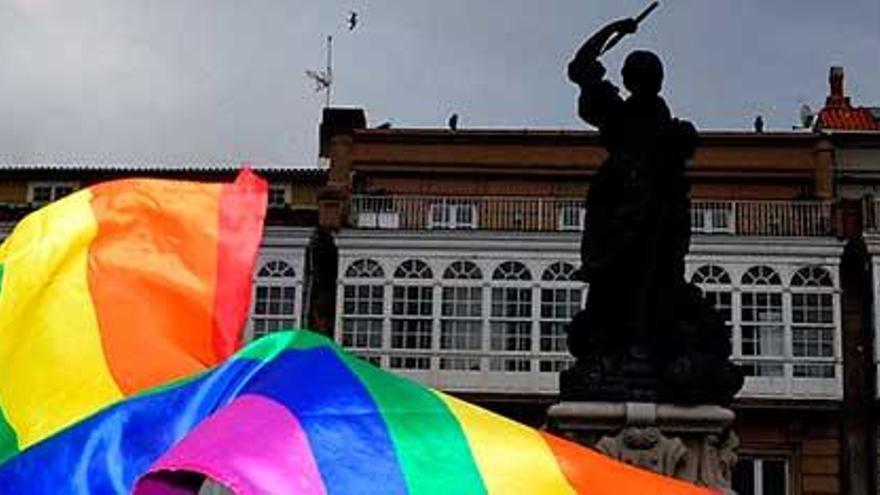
<point x="120" y="306"/>
<point x="294" y="414"/>
<point x="118" y="288"/>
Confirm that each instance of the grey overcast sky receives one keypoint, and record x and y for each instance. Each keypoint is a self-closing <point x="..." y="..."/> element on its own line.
<point x="223" y="80"/>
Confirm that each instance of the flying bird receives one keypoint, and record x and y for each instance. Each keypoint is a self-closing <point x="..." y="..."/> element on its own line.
<point x="352" y="20"/>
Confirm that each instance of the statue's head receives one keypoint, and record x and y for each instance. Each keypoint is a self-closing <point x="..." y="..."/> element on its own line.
<point x="643" y="73"/>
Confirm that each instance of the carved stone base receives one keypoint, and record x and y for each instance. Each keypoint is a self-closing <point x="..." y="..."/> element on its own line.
<point x="694" y="443"/>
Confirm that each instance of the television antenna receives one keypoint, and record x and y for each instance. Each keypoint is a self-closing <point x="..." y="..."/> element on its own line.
<point x="324" y="78"/>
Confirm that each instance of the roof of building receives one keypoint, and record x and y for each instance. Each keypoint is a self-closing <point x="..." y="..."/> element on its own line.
<point x="840" y="115"/>
<point x="850" y="119"/>
<point x="100" y="166"/>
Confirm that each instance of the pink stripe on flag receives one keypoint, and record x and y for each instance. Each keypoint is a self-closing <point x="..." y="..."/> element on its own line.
<point x="252" y="446"/>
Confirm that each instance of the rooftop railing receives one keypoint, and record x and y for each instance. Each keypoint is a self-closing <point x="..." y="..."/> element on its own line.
<point x="530" y="214"/>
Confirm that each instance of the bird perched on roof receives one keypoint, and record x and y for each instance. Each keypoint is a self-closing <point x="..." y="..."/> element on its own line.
<point x="453" y="122"/>
<point x="352" y="20"/>
<point x="759" y="124"/>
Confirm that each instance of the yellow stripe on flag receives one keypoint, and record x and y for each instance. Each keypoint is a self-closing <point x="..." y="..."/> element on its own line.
<point x="52" y="367"/>
<point x="512" y="458"/>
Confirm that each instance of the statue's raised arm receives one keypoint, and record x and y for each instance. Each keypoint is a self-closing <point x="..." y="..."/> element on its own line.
<point x="599" y="98"/>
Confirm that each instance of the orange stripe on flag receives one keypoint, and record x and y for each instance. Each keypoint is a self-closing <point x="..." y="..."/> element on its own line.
<point x="152" y="274"/>
<point x="592" y="473"/>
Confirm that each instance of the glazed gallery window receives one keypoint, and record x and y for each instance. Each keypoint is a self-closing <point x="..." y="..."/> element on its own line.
<point x="762" y="343"/>
<point x="510" y="323"/>
<point x="812" y="323"/>
<point x="761" y="476"/>
<point x="461" y="316"/>
<point x="412" y="310"/>
<point x="274" y="299"/>
<point x="560" y="300"/>
<point x="363" y="297"/>
<point x="716" y="285"/>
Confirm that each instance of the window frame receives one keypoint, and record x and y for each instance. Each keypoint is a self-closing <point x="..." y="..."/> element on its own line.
<point x="265" y="280"/>
<point x="449" y="211"/>
<point x="53" y="190"/>
<point x="359" y="274"/>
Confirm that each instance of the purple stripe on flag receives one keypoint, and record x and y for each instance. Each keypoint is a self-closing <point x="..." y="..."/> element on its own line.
<point x="252" y="446"/>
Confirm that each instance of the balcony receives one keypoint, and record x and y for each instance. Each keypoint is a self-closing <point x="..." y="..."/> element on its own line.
<point x="742" y="218"/>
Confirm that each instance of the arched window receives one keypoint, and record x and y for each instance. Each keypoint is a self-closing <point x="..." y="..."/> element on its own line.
<point x="412" y="311"/>
<point x="763" y="328"/>
<point x="559" y="272"/>
<point x="511" y="270"/>
<point x="462" y="270"/>
<point x="363" y="306"/>
<point x="510" y="324"/>
<point x="365" y="268"/>
<point x="461" y="317"/>
<point x="716" y="285"/>
<point x="812" y="323"/>
<point x="274" y="299"/>
<point x="561" y="297"/>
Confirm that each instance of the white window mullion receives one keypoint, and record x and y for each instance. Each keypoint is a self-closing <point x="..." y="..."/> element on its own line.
<point x="436" y="301"/>
<point x="536" y="327"/>
<point x="340" y="306"/>
<point x="736" y="322"/>
<point x="787" y="332"/>
<point x="487" y="330"/>
<point x="387" y="295"/>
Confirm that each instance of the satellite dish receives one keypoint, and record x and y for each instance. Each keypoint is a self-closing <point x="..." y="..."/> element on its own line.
<point x="807" y="116"/>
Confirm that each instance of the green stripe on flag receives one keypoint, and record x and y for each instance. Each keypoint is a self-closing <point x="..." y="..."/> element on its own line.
<point x="8" y="438"/>
<point x="431" y="447"/>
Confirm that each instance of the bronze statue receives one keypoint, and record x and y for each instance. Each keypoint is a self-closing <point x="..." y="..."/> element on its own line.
<point x="645" y="333"/>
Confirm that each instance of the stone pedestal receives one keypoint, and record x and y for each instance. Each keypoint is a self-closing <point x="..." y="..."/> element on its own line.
<point x="693" y="443"/>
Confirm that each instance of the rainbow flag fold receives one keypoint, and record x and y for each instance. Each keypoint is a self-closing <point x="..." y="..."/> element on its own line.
<point x="292" y="413"/>
<point x="118" y="288"/>
<point x="121" y="309"/>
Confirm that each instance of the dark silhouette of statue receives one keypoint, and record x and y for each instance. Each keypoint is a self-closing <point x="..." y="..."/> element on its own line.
<point x="645" y="334"/>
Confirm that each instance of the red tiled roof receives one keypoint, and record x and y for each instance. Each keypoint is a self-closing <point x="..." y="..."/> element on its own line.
<point x="849" y="118"/>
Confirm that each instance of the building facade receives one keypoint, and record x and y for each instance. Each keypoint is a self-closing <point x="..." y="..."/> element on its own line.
<point x="447" y="256"/>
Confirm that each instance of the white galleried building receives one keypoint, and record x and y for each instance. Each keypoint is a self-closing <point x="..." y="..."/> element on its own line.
<point x="446" y="256"/>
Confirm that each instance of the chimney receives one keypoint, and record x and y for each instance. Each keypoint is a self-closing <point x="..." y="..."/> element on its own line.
<point x="339" y="121"/>
<point x="836" y="96"/>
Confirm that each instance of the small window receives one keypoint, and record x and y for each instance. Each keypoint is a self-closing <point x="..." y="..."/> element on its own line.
<point x="376" y="212"/>
<point x="278" y="195"/>
<point x="761" y="476"/>
<point x="40" y="193"/>
<point x="712" y="218"/>
<point x="452" y="214"/>
<point x="571" y="215"/>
